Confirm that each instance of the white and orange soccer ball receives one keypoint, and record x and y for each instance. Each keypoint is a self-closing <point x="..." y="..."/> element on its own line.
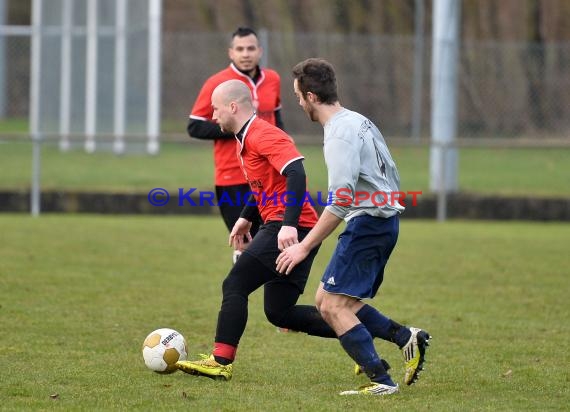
<point x="162" y="348"/>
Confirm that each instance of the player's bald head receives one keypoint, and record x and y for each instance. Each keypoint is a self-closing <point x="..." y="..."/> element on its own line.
<point x="232" y="105"/>
<point x="232" y="91"/>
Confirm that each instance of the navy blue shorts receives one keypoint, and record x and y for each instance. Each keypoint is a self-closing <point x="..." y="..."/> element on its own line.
<point x="357" y="265"/>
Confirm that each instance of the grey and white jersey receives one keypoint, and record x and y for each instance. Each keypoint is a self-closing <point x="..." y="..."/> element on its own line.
<point x="362" y="176"/>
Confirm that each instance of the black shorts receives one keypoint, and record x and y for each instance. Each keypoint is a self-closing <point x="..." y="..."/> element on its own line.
<point x="264" y="249"/>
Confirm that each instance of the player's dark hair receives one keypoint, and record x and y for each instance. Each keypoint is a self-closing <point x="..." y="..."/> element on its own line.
<point x="318" y="77"/>
<point x="243" y="32"/>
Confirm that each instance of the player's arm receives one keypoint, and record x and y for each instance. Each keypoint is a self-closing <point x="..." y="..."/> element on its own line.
<point x="326" y="224"/>
<point x="200" y="123"/>
<point x="250" y="210"/>
<point x="342" y="164"/>
<point x="279" y="119"/>
<point x="277" y="113"/>
<point x="296" y="189"/>
<point x="290" y="257"/>
<point x="240" y="234"/>
<point x="206" y="130"/>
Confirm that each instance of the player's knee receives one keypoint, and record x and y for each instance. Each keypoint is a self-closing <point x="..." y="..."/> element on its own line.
<point x="319" y="296"/>
<point x="231" y="285"/>
<point x="332" y="306"/>
<point x="276" y="317"/>
<point x="328" y="310"/>
<point x="318" y="301"/>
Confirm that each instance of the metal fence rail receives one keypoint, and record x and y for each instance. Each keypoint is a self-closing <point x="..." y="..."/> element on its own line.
<point x="505" y="90"/>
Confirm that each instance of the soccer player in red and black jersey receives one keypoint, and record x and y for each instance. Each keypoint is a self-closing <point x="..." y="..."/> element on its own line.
<point x="265" y="85"/>
<point x="274" y="169"/>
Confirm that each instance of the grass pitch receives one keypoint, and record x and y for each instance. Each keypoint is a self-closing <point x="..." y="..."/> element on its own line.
<point x="78" y="295"/>
<point x="499" y="171"/>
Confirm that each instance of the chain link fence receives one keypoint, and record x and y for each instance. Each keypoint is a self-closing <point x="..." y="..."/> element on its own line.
<point x="15" y="79"/>
<point x="505" y="90"/>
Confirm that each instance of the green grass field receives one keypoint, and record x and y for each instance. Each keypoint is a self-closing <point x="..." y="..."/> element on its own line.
<point x="79" y="293"/>
<point x="516" y="171"/>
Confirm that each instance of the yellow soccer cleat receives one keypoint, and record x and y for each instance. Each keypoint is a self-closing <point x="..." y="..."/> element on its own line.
<point x="207" y="366"/>
<point x="360" y="370"/>
<point x="414" y="354"/>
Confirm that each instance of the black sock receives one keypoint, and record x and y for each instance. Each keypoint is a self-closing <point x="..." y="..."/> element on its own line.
<point x="381" y="326"/>
<point x="222" y="361"/>
<point x="357" y="342"/>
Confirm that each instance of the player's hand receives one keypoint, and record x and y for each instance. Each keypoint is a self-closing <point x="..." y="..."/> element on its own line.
<point x="286" y="237"/>
<point x="290" y="258"/>
<point x="241" y="228"/>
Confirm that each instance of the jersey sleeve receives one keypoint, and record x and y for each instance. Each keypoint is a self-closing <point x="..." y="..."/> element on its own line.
<point x="278" y="99"/>
<point x="202" y="109"/>
<point x="343" y="165"/>
<point x="278" y="148"/>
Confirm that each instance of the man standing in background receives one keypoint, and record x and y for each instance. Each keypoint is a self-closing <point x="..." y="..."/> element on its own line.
<point x="265" y="85"/>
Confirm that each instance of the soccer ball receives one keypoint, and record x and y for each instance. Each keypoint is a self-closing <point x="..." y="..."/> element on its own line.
<point x="162" y="348"/>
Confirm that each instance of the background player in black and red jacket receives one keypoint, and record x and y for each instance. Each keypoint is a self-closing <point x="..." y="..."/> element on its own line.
<point x="265" y="85"/>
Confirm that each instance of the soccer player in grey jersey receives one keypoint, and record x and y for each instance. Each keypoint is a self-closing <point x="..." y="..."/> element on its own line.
<point x="359" y="162"/>
<point x="364" y="183"/>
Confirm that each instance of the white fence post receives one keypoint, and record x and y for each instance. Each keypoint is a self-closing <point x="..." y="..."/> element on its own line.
<point x="65" y="86"/>
<point x="120" y="76"/>
<point x="443" y="177"/>
<point x="35" y="77"/>
<point x="91" y="77"/>
<point x="154" y="65"/>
